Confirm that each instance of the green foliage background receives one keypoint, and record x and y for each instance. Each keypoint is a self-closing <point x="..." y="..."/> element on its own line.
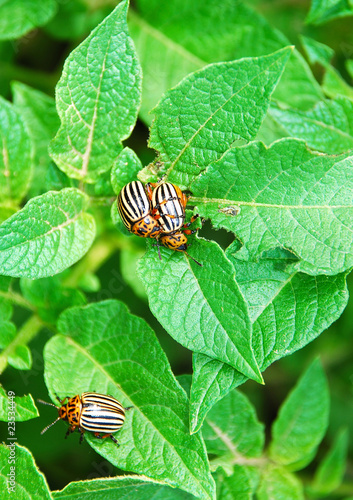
<point x="263" y="144"/>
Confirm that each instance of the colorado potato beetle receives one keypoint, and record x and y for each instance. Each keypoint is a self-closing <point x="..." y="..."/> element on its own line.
<point x="134" y="206"/>
<point x="92" y="412"/>
<point x="168" y="208"/>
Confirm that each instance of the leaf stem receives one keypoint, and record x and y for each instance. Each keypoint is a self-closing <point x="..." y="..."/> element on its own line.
<point x="17" y="299"/>
<point x="28" y="331"/>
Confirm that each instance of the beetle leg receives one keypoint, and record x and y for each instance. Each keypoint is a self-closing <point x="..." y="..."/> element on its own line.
<point x="188" y="224"/>
<point x="61" y="401"/>
<point x="97" y="434"/>
<point x="149" y="189"/>
<point x="157" y="245"/>
<point x="114" y="440"/>
<point x="82" y="431"/>
<point x="70" y="430"/>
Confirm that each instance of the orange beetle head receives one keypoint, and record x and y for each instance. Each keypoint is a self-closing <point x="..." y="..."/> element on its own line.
<point x="177" y="241"/>
<point x="63" y="412"/>
<point x="147" y="227"/>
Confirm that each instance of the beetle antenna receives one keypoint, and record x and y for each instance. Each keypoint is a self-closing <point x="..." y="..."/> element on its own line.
<point x="197" y="262"/>
<point x="46" y="403"/>
<point x="50" y="425"/>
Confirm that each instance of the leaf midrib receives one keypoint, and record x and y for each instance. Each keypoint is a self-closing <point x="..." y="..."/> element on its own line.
<point x="238" y="203"/>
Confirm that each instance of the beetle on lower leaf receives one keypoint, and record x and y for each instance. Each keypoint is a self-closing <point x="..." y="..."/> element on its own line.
<point x="92" y="412"/>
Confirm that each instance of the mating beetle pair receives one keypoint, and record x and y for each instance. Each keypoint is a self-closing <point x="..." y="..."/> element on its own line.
<point x="156" y="211"/>
<point x="92" y="412"/>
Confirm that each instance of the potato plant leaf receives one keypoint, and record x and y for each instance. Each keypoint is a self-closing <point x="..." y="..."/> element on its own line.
<point x="202" y="308"/>
<point x="120" y="487"/>
<point x="322" y="11"/>
<point x="198" y="120"/>
<point x="97" y="99"/>
<point x="24" y="407"/>
<point x="15" y="156"/>
<point x="278" y="483"/>
<point x="232" y="429"/>
<point x="118" y="354"/>
<point x="286" y="197"/>
<point x="330" y="472"/>
<point x="176" y="38"/>
<point x="303" y="418"/>
<point x="49" y="234"/>
<point x="239" y="485"/>
<point x="316" y="52"/>
<point x="328" y="127"/>
<point x="42" y="122"/>
<point x="125" y="169"/>
<point x="234" y="438"/>
<point x="29" y="481"/>
<point x="271" y="290"/>
<point x="18" y="17"/>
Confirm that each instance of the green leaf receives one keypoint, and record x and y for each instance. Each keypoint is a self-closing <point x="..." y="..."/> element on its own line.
<point x="229" y="101"/>
<point x="232" y="431"/>
<point x="27" y="481"/>
<point x="330" y="472"/>
<point x="98" y="97"/>
<point x="50" y="297"/>
<point x="49" y="234"/>
<point x="176" y="38"/>
<point x="15" y="159"/>
<point x="118" y="354"/>
<point x="302" y="419"/>
<point x="278" y="483"/>
<point x="334" y="85"/>
<point x="271" y="289"/>
<point x="16" y="352"/>
<point x="41" y="120"/>
<point x="125" y="169"/>
<point x="17" y="17"/>
<point x="241" y="485"/>
<point x="322" y="11"/>
<point x="317" y="52"/>
<point x="201" y="307"/>
<point x="211" y="381"/>
<point x="286" y="196"/>
<point x="20" y="358"/>
<point x="120" y="488"/>
<point x="24" y="406"/>
<point x="327" y="128"/>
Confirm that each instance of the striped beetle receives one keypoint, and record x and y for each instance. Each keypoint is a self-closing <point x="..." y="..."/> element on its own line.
<point x="134" y="206"/>
<point x="92" y="412"/>
<point x="168" y="208"/>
